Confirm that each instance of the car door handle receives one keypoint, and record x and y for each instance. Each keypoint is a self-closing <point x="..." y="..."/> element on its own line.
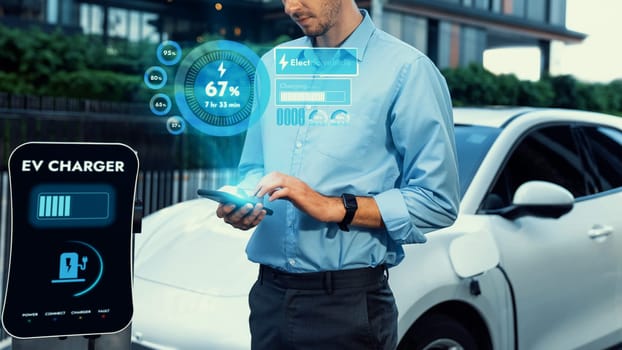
<point x="600" y="231"/>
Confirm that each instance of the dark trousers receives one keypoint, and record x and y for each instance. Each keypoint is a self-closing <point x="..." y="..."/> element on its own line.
<point x="351" y="309"/>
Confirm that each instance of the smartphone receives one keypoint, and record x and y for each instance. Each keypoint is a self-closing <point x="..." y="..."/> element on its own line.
<point x="226" y="198"/>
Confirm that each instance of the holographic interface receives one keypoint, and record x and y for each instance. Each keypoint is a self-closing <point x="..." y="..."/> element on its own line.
<point x="220" y="87"/>
<point x="314" y="85"/>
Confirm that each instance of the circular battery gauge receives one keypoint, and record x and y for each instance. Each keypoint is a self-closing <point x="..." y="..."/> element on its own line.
<point x="221" y="88"/>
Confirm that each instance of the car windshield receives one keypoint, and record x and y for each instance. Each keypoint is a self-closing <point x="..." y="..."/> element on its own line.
<point x="472" y="144"/>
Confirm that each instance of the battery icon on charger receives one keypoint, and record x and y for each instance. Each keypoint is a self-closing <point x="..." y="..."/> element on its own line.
<point x="77" y="205"/>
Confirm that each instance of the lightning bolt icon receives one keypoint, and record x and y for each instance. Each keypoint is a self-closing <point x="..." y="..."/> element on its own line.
<point x="283" y="62"/>
<point x="68" y="263"/>
<point x="222" y="69"/>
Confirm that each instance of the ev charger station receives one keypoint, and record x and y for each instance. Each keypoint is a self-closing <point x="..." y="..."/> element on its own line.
<point x="70" y="269"/>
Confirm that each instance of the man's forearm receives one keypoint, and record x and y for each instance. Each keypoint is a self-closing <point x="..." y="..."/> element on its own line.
<point x="367" y="214"/>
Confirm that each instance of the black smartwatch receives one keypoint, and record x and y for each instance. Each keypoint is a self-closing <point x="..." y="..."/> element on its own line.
<point x="349" y="202"/>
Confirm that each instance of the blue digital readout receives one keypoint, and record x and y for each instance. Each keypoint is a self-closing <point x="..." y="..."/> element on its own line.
<point x="61" y="205"/>
<point x="316" y="61"/>
<point x="74" y="205"/>
<point x="316" y="92"/>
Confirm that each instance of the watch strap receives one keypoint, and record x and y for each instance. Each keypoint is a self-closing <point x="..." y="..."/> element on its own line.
<point x="349" y="202"/>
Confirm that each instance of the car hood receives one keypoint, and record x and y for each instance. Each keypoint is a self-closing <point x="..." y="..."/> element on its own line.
<point x="186" y="246"/>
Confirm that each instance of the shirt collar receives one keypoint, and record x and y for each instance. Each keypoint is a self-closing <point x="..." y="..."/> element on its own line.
<point x="358" y="39"/>
<point x="361" y="35"/>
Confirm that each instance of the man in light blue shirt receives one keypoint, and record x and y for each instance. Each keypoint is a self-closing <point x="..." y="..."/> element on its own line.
<point x="346" y="190"/>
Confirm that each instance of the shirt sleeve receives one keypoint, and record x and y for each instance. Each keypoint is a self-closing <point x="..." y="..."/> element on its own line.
<point x="251" y="165"/>
<point x="251" y="168"/>
<point x="421" y="123"/>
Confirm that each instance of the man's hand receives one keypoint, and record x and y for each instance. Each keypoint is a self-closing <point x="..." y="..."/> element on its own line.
<point x="242" y="218"/>
<point x="320" y="207"/>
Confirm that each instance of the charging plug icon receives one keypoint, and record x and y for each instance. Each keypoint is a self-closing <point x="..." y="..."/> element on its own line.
<point x="69" y="267"/>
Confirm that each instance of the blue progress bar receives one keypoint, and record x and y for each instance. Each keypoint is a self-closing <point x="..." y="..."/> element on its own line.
<point x="54" y="206"/>
<point x="73" y="206"/>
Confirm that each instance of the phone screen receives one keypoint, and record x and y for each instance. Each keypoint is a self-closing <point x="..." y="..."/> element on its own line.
<point x="229" y="198"/>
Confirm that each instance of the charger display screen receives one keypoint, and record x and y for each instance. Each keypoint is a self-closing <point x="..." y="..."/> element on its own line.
<point x="72" y="205"/>
<point x="71" y="239"/>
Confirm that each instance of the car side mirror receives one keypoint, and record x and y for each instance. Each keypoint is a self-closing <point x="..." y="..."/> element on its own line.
<point x="540" y="199"/>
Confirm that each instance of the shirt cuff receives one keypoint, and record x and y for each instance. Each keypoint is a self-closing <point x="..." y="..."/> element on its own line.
<point x="396" y="218"/>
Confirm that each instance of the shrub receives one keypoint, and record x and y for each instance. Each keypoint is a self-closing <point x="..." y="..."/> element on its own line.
<point x="476" y="86"/>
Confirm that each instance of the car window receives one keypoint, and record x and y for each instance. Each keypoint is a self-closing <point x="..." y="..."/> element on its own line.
<point x="605" y="147"/>
<point x="546" y="154"/>
<point x="472" y="144"/>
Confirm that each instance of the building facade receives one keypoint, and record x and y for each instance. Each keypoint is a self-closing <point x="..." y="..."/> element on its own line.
<point x="457" y="32"/>
<point x="451" y="32"/>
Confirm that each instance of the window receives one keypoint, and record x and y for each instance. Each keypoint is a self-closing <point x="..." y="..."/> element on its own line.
<point x="518" y="8"/>
<point x="118" y="22"/>
<point x="415" y="32"/>
<point x="495" y="6"/>
<point x="444" y="44"/>
<point x="472" y="145"/>
<point x="392" y="22"/>
<point x="605" y="147"/>
<point x="557" y="12"/>
<point x="537" y="10"/>
<point x="548" y="154"/>
<point x="472" y="44"/>
<point x="482" y="4"/>
<point x="412" y="29"/>
<point x="52" y="11"/>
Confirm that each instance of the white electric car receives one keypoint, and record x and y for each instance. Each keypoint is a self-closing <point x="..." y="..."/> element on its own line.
<point x="534" y="260"/>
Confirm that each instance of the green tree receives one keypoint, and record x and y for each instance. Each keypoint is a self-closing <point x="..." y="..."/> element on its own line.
<point x="471" y="85"/>
<point x="507" y="91"/>
<point x="566" y="91"/>
<point x="535" y="93"/>
<point x="57" y="64"/>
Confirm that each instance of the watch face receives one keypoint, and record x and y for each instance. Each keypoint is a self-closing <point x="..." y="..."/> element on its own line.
<point x="349" y="201"/>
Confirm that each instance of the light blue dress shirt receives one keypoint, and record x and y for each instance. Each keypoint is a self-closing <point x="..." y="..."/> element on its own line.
<point x="397" y="147"/>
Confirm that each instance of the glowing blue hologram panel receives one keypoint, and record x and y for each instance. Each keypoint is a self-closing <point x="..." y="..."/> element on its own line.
<point x="155" y="77"/>
<point x="175" y="125"/>
<point x="221" y="88"/>
<point x="72" y="205"/>
<point x="317" y="92"/>
<point x="316" y="61"/>
<point x="160" y="104"/>
<point x="169" y="53"/>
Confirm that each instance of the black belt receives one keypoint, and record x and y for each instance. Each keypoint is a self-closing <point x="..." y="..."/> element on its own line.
<point x="327" y="280"/>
